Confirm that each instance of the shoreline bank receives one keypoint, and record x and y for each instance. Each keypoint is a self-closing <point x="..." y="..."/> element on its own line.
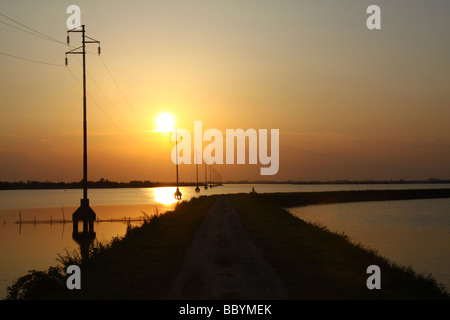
<point x="312" y="262"/>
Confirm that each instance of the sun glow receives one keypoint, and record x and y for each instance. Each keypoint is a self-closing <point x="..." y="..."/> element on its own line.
<point x="164" y="195"/>
<point x="165" y="122"/>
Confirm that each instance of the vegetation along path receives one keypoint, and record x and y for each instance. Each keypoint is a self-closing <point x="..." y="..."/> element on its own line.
<point x="223" y="263"/>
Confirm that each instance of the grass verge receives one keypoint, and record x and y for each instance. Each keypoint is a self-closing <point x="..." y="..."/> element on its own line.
<point x="315" y="263"/>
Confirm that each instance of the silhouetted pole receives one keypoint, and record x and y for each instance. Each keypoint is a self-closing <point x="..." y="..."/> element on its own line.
<point x="197" y="189"/>
<point x="196" y="170"/>
<point x="83" y="52"/>
<point x="206" y="176"/>
<point x="177" y="192"/>
<point x="176" y="149"/>
<point x="84" y="212"/>
<point x="210" y="176"/>
<point x="84" y="120"/>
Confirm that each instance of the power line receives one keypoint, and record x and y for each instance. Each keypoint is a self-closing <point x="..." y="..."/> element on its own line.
<point x="45" y="37"/>
<point x="111" y="103"/>
<point x="31" y="60"/>
<point x="120" y="90"/>
<point x="39" y="34"/>
<point x="105" y="114"/>
<point x="33" y="34"/>
<point x="109" y="100"/>
<point x="36" y="32"/>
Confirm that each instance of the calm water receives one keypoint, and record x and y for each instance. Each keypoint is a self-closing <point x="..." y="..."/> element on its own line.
<point x="412" y="233"/>
<point x="36" y="246"/>
<point x="16" y="199"/>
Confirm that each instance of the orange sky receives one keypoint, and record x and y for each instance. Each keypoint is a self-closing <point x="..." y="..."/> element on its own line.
<point x="350" y="103"/>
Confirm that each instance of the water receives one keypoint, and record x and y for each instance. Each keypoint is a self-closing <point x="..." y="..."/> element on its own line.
<point x="29" y="246"/>
<point x="16" y="199"/>
<point x="412" y="233"/>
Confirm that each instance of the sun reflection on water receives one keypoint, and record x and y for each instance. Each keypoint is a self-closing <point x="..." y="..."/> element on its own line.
<point x="164" y="195"/>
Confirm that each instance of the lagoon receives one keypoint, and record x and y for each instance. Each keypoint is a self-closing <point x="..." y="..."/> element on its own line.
<point x="414" y="233"/>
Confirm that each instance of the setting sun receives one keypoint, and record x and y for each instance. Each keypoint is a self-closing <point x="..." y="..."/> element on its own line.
<point x="165" y="122"/>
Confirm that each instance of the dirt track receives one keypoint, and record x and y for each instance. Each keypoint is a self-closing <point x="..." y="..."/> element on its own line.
<point x="223" y="263"/>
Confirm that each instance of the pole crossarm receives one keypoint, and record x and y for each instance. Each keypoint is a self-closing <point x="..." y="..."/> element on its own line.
<point x="84" y="42"/>
<point x="73" y="51"/>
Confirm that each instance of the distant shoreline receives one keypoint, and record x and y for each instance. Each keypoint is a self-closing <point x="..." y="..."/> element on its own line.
<point x="106" y="184"/>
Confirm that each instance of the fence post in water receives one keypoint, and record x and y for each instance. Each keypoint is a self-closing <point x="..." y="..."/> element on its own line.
<point x="20" y="217"/>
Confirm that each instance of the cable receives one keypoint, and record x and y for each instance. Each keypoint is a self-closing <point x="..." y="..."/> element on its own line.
<point x="106" y="115"/>
<point x="110" y="102"/>
<point x="47" y="37"/>
<point x="33" y="34"/>
<point x="121" y="92"/>
<point x="31" y="60"/>
<point x="36" y="33"/>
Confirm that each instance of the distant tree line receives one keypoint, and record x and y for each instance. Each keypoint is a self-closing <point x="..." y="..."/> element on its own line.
<point x="105" y="183"/>
<point x="299" y="181"/>
<point x="102" y="183"/>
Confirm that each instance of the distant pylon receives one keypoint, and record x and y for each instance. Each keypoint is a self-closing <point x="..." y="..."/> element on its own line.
<point x="177" y="193"/>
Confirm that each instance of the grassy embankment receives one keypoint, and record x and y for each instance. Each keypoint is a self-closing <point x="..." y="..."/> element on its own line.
<point x="312" y="262"/>
<point x="140" y="265"/>
<point x="315" y="263"/>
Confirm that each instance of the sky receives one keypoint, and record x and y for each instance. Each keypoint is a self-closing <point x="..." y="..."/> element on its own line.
<point x="349" y="102"/>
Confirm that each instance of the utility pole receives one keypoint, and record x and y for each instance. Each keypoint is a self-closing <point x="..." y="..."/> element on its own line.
<point x="206" y="176"/>
<point x="211" y="177"/>
<point x="177" y="193"/>
<point x="84" y="212"/>
<point x="197" y="189"/>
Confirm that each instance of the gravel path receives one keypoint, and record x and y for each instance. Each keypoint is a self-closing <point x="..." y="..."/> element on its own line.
<point x="223" y="263"/>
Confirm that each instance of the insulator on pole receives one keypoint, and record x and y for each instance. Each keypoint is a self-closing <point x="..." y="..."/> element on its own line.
<point x="68" y="39"/>
<point x="67" y="62"/>
<point x="99" y="50"/>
